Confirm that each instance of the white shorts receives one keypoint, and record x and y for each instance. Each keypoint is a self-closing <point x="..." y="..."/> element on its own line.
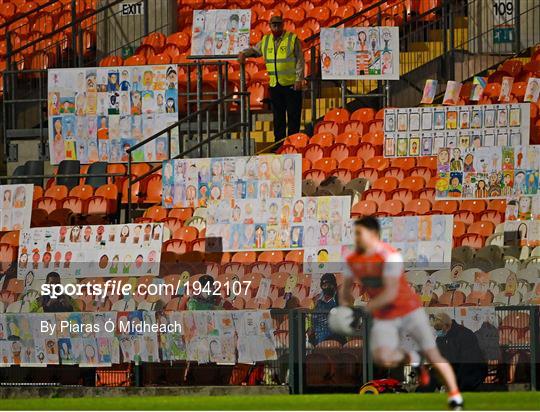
<point x="389" y="333"/>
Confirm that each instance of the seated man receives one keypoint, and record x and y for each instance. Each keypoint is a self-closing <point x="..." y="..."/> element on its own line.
<point x="460" y="346"/>
<point x="206" y="299"/>
<point x="326" y="300"/>
<point x="47" y="304"/>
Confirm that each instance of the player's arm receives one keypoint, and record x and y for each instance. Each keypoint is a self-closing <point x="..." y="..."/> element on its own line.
<point x="392" y="270"/>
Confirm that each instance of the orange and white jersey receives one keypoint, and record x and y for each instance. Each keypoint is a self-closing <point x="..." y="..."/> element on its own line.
<point x="370" y="269"/>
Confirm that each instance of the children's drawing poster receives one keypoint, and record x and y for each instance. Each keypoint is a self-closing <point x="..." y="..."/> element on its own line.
<point x="425" y="242"/>
<point x="422" y="131"/>
<point x="223" y="337"/>
<point x="506" y="89"/>
<point x="522" y="232"/>
<point x="430" y="89"/>
<point x="270" y="224"/>
<point x="478" y="86"/>
<point x="95" y="114"/>
<point x="451" y="94"/>
<point x="16" y="206"/>
<point x="487" y="172"/>
<point x="220" y="32"/>
<point x="200" y="182"/>
<point x="84" y="251"/>
<point x="532" y="92"/>
<point x="365" y="53"/>
<point x="523" y="207"/>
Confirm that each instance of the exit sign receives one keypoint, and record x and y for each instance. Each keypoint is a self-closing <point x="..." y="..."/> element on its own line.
<point x="503" y="35"/>
<point x="131" y="9"/>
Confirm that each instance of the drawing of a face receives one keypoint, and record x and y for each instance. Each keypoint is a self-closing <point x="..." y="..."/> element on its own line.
<point x="199" y="24"/>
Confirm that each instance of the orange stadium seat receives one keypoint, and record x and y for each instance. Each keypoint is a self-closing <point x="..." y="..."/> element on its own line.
<point x="270" y="257"/>
<point x="482" y="228"/>
<point x="344" y="175"/>
<point x="364" y="115"/>
<point x="498" y="205"/>
<point x="244" y="257"/>
<point x="377" y="162"/>
<point x="181" y="213"/>
<point x="447" y="207"/>
<point x="386" y="183"/>
<point x="313" y="152"/>
<point x="323" y="139"/>
<point x="464" y="216"/>
<point x="391" y="207"/>
<point x="350" y="138"/>
<point x="459" y="229"/>
<point x="351" y="163"/>
<point x="365" y="151"/>
<point x="472" y="240"/>
<point x="327" y="126"/>
<point x="394" y="172"/>
<point x="187" y="234"/>
<point x="368" y="173"/>
<point x="413" y="183"/>
<point x="474" y="206"/>
<point x="314" y="174"/>
<point x="155" y="213"/>
<point x="326" y="164"/>
<point x="418" y="206"/>
<point x="339" y="151"/>
<point x="337" y="115"/>
<point x="364" y="207"/>
<point x="298" y="140"/>
<point x="352" y="126"/>
<point x="401" y="194"/>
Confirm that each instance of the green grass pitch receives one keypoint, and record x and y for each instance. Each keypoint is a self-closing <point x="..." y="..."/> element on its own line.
<point x="473" y="401"/>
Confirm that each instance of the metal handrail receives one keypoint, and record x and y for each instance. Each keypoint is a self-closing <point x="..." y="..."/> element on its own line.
<point x="61" y="29"/>
<point x="213" y="57"/>
<point x="184" y="119"/>
<point x="243" y="124"/>
<point x="180" y="155"/>
<point x="28" y="13"/>
<point x="348" y="19"/>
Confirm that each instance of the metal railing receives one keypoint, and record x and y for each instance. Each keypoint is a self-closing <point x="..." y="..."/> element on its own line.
<point x="28" y="178"/>
<point x="305" y="366"/>
<point x="80" y="38"/>
<point x="206" y="130"/>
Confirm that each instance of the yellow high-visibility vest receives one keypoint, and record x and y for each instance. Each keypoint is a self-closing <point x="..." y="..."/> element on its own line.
<point x="281" y="66"/>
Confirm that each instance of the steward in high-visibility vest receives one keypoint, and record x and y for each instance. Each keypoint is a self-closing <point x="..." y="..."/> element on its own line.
<point x="281" y="66"/>
<point x="284" y="58"/>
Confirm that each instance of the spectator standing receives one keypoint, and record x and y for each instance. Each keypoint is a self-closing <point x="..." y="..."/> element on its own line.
<point x="282" y="52"/>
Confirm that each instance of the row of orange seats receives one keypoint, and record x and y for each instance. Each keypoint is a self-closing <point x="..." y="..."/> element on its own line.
<point x="82" y="199"/>
<point x="372" y="170"/>
<point x="399" y="203"/>
<point x="376" y="197"/>
<point x="350" y="137"/>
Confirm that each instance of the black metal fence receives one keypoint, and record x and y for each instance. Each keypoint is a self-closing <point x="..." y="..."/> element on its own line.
<point x="303" y="364"/>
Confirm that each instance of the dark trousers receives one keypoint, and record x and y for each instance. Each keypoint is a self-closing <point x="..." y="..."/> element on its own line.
<point x="287" y="109"/>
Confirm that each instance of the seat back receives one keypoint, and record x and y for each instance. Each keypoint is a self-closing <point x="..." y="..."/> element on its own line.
<point x="98" y="168"/>
<point x="68" y="167"/>
<point x="34" y="167"/>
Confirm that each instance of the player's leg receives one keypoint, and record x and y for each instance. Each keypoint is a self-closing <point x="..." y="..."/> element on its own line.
<point x="417" y="325"/>
<point x="384" y="341"/>
<point x="445" y="371"/>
